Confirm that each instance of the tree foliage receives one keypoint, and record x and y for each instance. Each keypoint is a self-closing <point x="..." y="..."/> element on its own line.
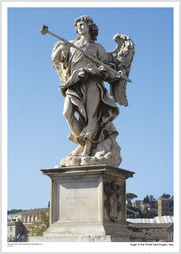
<point x="12" y="211"/>
<point x="141" y="213"/>
<point x="38" y="227"/>
<point x="146" y="200"/>
<point x="147" y="212"/>
<point x="152" y="198"/>
<point x="130" y="196"/>
<point x="132" y="214"/>
<point x="164" y="195"/>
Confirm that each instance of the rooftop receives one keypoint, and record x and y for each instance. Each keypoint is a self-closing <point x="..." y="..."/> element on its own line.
<point x="158" y="219"/>
<point x="35" y="210"/>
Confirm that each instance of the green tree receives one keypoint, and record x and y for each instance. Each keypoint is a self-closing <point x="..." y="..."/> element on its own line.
<point x="12" y="211"/>
<point x="148" y="213"/>
<point x="152" y="198"/>
<point x="130" y="196"/>
<point x="131" y="210"/>
<point x="152" y="201"/>
<point x="146" y="200"/>
<point x="38" y="227"/>
<point x="171" y="205"/>
<point x="164" y="195"/>
<point x="144" y="214"/>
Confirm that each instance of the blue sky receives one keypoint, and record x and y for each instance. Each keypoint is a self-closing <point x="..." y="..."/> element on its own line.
<point x="37" y="130"/>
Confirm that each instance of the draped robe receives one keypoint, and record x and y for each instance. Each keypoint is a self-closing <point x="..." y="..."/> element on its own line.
<point x="83" y="85"/>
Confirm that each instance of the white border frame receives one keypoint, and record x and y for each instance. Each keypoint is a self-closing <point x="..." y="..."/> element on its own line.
<point x="95" y="247"/>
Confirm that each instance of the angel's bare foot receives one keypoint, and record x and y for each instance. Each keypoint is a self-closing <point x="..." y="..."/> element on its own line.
<point x="87" y="148"/>
<point x="78" y="150"/>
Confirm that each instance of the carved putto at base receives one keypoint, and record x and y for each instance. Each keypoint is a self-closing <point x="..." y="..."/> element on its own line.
<point x="83" y="66"/>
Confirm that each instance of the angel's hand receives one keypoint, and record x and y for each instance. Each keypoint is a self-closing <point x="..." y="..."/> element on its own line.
<point x="102" y="69"/>
<point x="108" y="75"/>
<point x="88" y="71"/>
<point x="103" y="72"/>
<point x="121" y="72"/>
<point x="81" y="73"/>
<point x="119" y="75"/>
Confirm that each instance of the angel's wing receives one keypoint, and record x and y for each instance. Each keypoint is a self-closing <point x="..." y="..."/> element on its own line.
<point x="61" y="67"/>
<point x="122" y="57"/>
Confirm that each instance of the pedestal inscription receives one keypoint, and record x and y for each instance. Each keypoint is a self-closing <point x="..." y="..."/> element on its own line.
<point x="78" y="201"/>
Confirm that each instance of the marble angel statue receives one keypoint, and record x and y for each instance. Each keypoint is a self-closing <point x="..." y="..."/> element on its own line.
<point x="88" y="108"/>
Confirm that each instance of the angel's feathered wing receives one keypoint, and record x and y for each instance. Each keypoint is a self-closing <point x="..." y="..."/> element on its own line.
<point x="62" y="66"/>
<point x="122" y="57"/>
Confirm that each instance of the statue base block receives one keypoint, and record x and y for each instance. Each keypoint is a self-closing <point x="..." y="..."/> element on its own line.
<point x="87" y="203"/>
<point x="83" y="238"/>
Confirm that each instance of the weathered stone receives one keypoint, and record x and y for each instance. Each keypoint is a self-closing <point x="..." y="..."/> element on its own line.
<point x="83" y="238"/>
<point x="88" y="202"/>
<point x="83" y="66"/>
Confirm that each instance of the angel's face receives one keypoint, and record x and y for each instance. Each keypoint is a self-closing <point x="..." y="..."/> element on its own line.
<point x="82" y="27"/>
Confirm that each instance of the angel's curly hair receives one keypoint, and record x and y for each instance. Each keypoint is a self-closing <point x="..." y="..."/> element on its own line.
<point x="93" y="29"/>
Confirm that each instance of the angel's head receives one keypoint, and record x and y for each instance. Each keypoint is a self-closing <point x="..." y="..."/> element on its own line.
<point x="88" y="26"/>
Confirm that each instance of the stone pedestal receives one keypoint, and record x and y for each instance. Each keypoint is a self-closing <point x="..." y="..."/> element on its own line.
<point x="87" y="203"/>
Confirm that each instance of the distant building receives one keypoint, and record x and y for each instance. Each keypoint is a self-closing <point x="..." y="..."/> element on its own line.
<point x="28" y="217"/>
<point x="144" y="206"/>
<point x="158" y="229"/>
<point x="16" y="216"/>
<point x="136" y="203"/>
<point x="163" y="206"/>
<point x="16" y="229"/>
<point x="128" y="202"/>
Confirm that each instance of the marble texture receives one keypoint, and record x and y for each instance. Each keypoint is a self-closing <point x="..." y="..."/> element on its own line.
<point x="73" y="201"/>
<point x="83" y="65"/>
<point x="106" y="152"/>
<point x="87" y="201"/>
